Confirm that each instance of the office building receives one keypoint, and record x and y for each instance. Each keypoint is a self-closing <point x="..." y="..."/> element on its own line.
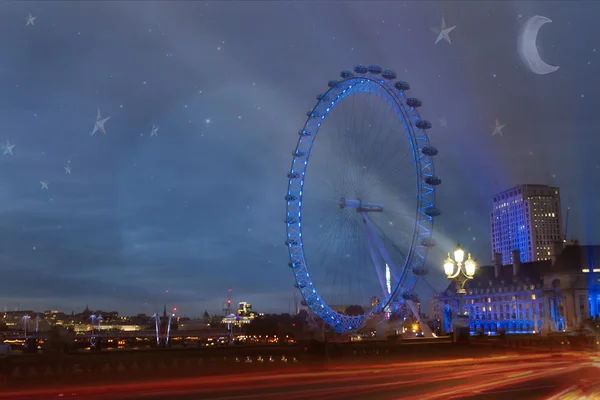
<point x="526" y="218"/>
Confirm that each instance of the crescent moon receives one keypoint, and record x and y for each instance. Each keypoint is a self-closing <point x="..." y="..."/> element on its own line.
<point x="528" y="48"/>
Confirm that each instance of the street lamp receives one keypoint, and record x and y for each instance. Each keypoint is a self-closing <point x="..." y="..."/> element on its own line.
<point x="460" y="271"/>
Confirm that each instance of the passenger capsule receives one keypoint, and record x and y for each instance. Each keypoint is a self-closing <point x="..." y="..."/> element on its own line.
<point x="414" y="102"/>
<point x="293" y="265"/>
<point x="429" y="151"/>
<point x="300" y="285"/>
<point x="360" y="69"/>
<point x="420" y="271"/>
<point x="333" y="83"/>
<point x="387" y="74"/>
<point x="304" y="132"/>
<point x="290" y="197"/>
<point x="346" y="74"/>
<point x="427" y="243"/>
<point x="402" y="86"/>
<point x="323" y="96"/>
<point x="293" y="175"/>
<point x="375" y="69"/>
<point x="291" y="221"/>
<point x="423" y="124"/>
<point x="291" y="243"/>
<point x="432" y="211"/>
<point x="299" y="153"/>
<point x="433" y="180"/>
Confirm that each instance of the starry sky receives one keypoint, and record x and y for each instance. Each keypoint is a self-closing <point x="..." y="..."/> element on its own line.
<point x="131" y="220"/>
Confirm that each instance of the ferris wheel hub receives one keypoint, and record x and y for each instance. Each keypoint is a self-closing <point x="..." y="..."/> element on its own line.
<point x="360" y="206"/>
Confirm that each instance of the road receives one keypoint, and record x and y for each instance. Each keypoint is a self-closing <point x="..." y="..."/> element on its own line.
<point x="560" y="376"/>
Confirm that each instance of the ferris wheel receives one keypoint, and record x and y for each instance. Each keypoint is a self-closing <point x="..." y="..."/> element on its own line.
<point x="359" y="220"/>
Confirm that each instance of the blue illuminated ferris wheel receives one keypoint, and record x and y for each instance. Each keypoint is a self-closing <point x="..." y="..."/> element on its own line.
<point x="359" y="220"/>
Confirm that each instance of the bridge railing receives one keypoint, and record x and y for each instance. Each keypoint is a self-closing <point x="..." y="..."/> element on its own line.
<point x="69" y="369"/>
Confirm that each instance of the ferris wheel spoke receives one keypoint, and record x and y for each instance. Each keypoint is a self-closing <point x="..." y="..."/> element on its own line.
<point x="333" y="231"/>
<point x="378" y="182"/>
<point x="356" y="241"/>
<point x="330" y="229"/>
<point x="326" y="181"/>
<point x="375" y="258"/>
<point x="391" y="171"/>
<point x="335" y="260"/>
<point x="376" y="139"/>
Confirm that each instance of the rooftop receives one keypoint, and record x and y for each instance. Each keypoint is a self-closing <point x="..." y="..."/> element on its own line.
<point x="572" y="260"/>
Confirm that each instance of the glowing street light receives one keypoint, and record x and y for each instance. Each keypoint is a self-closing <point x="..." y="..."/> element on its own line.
<point x="460" y="271"/>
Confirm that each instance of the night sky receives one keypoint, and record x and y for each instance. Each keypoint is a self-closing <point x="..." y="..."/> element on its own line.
<point x="199" y="207"/>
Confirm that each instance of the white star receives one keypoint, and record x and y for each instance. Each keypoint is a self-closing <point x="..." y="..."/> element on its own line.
<point x="239" y="117"/>
<point x="68" y="169"/>
<point x="99" y="125"/>
<point x="154" y="130"/>
<point x="443" y="32"/>
<point x="30" y="20"/>
<point x="498" y="128"/>
<point x="44" y="184"/>
<point x="443" y="122"/>
<point x="207" y="121"/>
<point x="8" y="148"/>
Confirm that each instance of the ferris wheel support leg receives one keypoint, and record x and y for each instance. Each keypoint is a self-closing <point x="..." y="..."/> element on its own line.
<point x="376" y="261"/>
<point x="379" y="244"/>
<point x="427" y="332"/>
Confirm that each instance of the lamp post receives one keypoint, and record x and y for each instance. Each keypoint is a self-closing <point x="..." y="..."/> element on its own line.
<point x="460" y="271"/>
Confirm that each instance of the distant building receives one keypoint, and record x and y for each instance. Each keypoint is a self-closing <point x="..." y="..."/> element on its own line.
<point x="526" y="218"/>
<point x="244" y="315"/>
<point x="374" y="302"/>
<point x="541" y="296"/>
<point x="244" y="309"/>
<point x="435" y="309"/>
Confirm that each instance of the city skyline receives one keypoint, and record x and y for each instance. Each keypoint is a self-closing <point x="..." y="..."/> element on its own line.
<point x="178" y="195"/>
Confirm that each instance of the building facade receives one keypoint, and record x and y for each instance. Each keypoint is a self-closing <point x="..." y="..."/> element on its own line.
<point x="536" y="297"/>
<point x="526" y="218"/>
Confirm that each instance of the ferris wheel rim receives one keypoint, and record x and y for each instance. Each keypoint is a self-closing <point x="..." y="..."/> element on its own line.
<point x="382" y="86"/>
